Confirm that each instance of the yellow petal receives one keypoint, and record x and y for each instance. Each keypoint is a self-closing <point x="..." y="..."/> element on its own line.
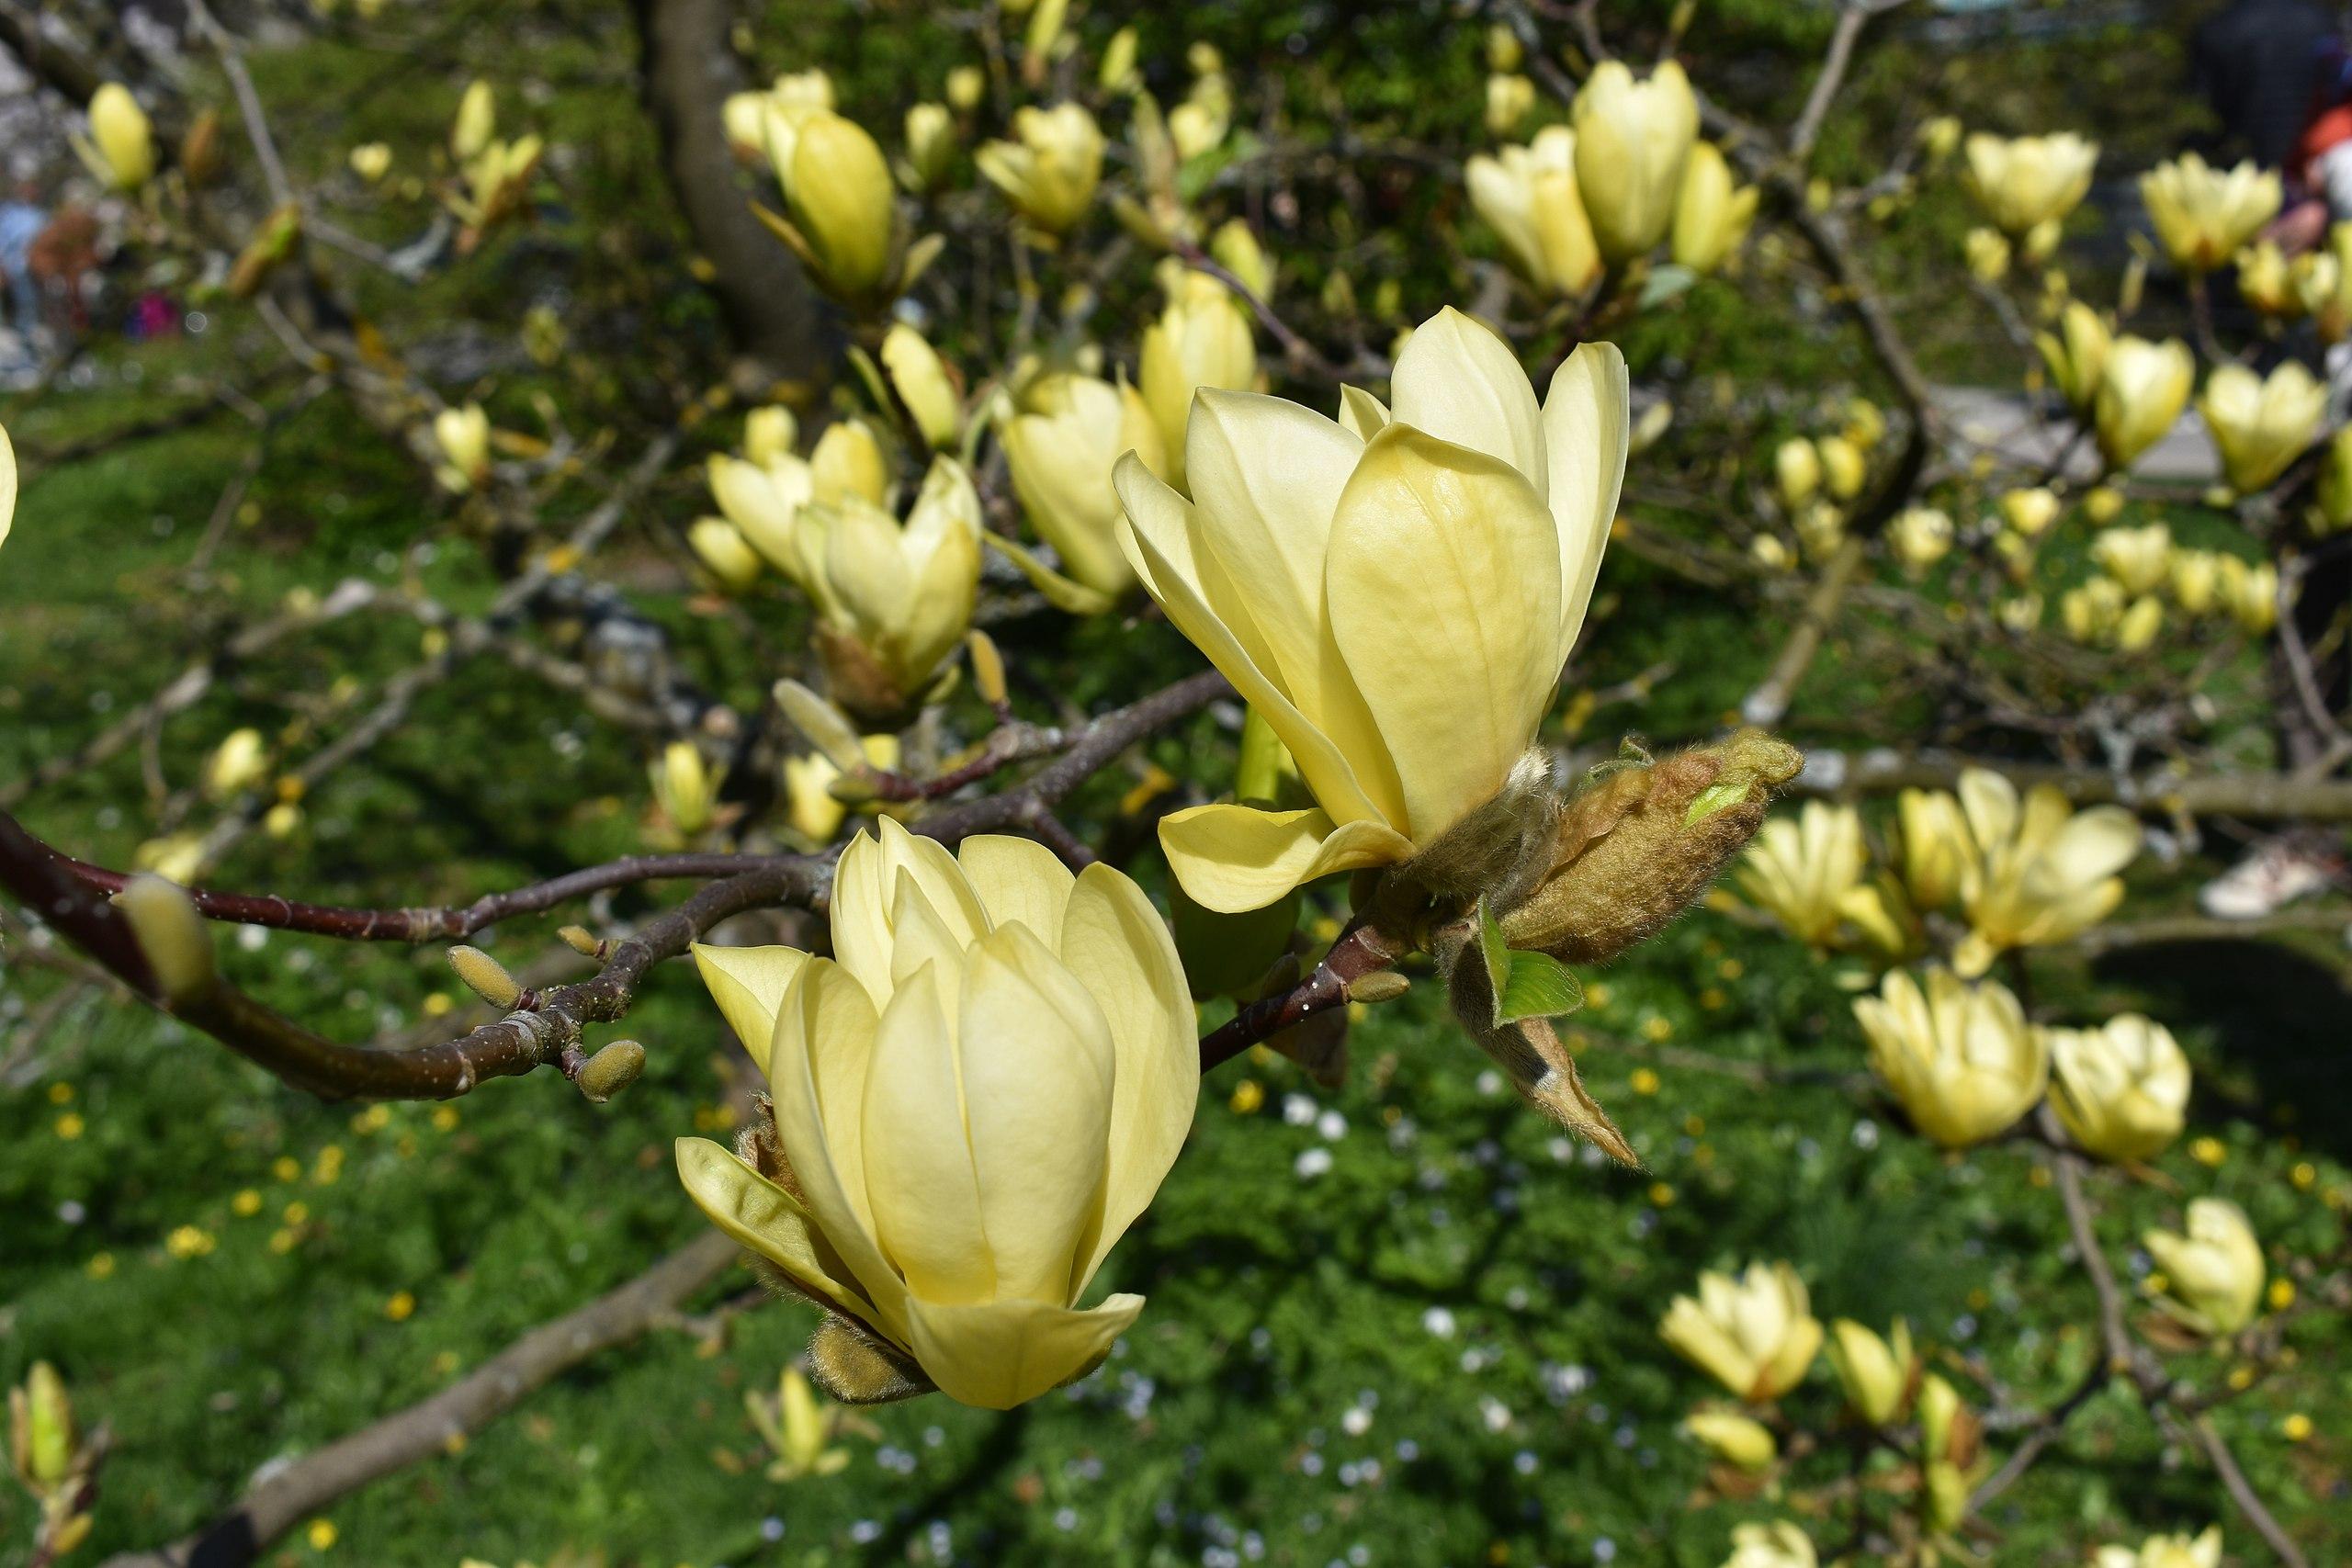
<point x="919" y="1175"/>
<point x="1460" y="383"/>
<point x="1114" y="940"/>
<point x="1018" y="881"/>
<point x="1038" y="1067"/>
<point x="1584" y="438"/>
<point x="748" y="984"/>
<point x="766" y="1219"/>
<point x="1445" y="583"/>
<point x="824" y="1035"/>
<point x="1362" y="415"/>
<point x="7" y="486"/>
<point x="1235" y="858"/>
<point x="1007" y="1352"/>
<point x="866" y="889"/>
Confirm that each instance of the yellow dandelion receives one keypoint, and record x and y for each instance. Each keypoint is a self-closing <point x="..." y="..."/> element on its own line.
<point x="189" y="1241"/>
<point x="1657" y="1028"/>
<point x="100" y="1267"/>
<point x="321" y="1534"/>
<point x="246" y="1205"/>
<point x="1644" y="1081"/>
<point x="1247" y="1097"/>
<point x="60" y="1094"/>
<point x="2304" y="1175"/>
<point x="402" y="1307"/>
<point x="1596" y="995"/>
<point x="2208" y="1151"/>
<point x="444" y="1118"/>
<point x="2297" y="1427"/>
<point x="297" y="1212"/>
<point x="1731" y="969"/>
<point x="2282" y="1294"/>
<point x="282" y="1241"/>
<point x="70" y="1125"/>
<point x="285" y="1168"/>
<point x="1661" y="1195"/>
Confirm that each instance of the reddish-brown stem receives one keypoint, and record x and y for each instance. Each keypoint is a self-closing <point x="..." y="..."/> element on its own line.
<point x="1361" y="952"/>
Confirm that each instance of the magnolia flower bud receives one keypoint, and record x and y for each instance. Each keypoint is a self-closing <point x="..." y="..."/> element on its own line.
<point x="1842" y="467"/>
<point x="2122" y="1090"/>
<point x="2250" y="594"/>
<point x="2196" y="581"/>
<point x="1936" y="847"/>
<point x="1235" y="248"/>
<point x="2262" y="423"/>
<point x="43" y="1438"/>
<point x="2031" y="512"/>
<point x="1050" y="173"/>
<point x="237" y="764"/>
<point x="610" y="1070"/>
<point x="1202" y="339"/>
<point x="769" y="433"/>
<point x="1117" y="73"/>
<point x="2078" y="358"/>
<point x="931" y="145"/>
<point x="463" y="436"/>
<point x="1632" y="139"/>
<point x="1640" y="844"/>
<point x="120" y="152"/>
<point x="966" y="85"/>
<point x="2138" y="558"/>
<point x="2213" y="1275"/>
<point x="848" y="463"/>
<point x="1741" y="1441"/>
<point x="2203" y="1551"/>
<point x="1024" y="1050"/>
<point x="171" y="936"/>
<point x="1528" y="196"/>
<point x="2332" y="494"/>
<point x="371" y="161"/>
<point x="1796" y="473"/>
<point x="1921" y="536"/>
<point x="1776" y="1545"/>
<point x="1755" y="1333"/>
<point x="486" y="977"/>
<point x="1711" y="214"/>
<point x="2142" y="387"/>
<point x="844" y="207"/>
<point x="476" y="122"/>
<point x="925" y="383"/>
<point x="1962" y="1060"/>
<point x="685" y="788"/>
<point x="1511" y="98"/>
<point x="1940" y="1416"/>
<point x="1940" y="136"/>
<point x="2202" y="215"/>
<point x="2103" y="504"/>
<point x="1874" y="1373"/>
<point x="1987" y="254"/>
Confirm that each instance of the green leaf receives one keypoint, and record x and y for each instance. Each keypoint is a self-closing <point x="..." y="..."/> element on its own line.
<point x="1497" y="954"/>
<point x="1720" y="795"/>
<point x="1664" y="283"/>
<point x="1540" y="986"/>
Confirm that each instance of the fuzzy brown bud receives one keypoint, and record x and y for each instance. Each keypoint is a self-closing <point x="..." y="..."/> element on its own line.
<point x="1642" y="842"/>
<point x="855" y="1366"/>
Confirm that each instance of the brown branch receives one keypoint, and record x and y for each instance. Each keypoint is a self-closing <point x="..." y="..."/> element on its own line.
<point x="1851" y="17"/>
<point x="1361" y="952"/>
<point x="1768" y="703"/>
<point x="2217" y="1449"/>
<point x="275" y="1504"/>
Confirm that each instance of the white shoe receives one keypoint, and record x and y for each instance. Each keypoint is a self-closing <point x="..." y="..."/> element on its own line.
<point x="2273" y="874"/>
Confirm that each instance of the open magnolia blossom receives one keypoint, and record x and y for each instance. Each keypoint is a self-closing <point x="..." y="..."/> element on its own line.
<point x="2142" y="387"/>
<point x="1202" y="340"/>
<point x="2026" y="183"/>
<point x="1484" y="513"/>
<point x="1753" y="1332"/>
<point x="1050" y="173"/>
<point x="2202" y="214"/>
<point x="1064" y="436"/>
<point x="1936" y="849"/>
<point x="2262" y="423"/>
<point x="1528" y="196"/>
<point x="2140" y="559"/>
<point x="1802" y="872"/>
<point x="2213" y="1275"/>
<point x="2043" y="871"/>
<point x="2201" y="1551"/>
<point x="1961" y="1058"/>
<point x="972" y="1102"/>
<point x="2122" y="1090"/>
<point x="893" y="600"/>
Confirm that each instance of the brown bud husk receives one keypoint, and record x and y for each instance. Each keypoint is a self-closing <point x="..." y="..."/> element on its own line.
<point x="1641" y="842"/>
<point x="1494" y="852"/>
<point x="855" y="1366"/>
<point x="857" y="680"/>
<point x="1528" y="1050"/>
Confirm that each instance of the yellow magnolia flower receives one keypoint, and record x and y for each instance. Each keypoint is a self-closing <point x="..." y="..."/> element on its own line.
<point x="2042" y="873"/>
<point x="973" y="1101"/>
<point x="930" y="391"/>
<point x="1921" y="536"/>
<point x="2026" y="182"/>
<point x="1986" y="253"/>
<point x="2213" y="1275"/>
<point x="2250" y="594"/>
<point x="237" y="764"/>
<point x="476" y="122"/>
<point x="1776" y="1545"/>
<point x="892" y="601"/>
<point x="371" y="161"/>
<point x="763" y="502"/>
<point x="2334" y="491"/>
<point x="848" y="461"/>
<point x="1755" y="1334"/>
<point x="2078" y="358"/>
<point x="799" y="1429"/>
<point x="2122" y="1090"/>
<point x="497" y="179"/>
<point x="1802" y="872"/>
<point x="2262" y="423"/>
<point x="1061" y="442"/>
<point x="2030" y="510"/>
<point x="685" y="788"/>
<point x="1796" y="471"/>
<point x="2266" y="280"/>
<point x="2138" y="558"/>
<point x="1711" y="214"/>
<point x="2203" y="1551"/>
<point x="1633" y="139"/>
<point x="1961" y="1058"/>
<point x="1740" y="1441"/>
<point x="2092" y="611"/>
<point x="931" y="145"/>
<point x="2201" y="214"/>
<point x="1468" y="504"/>
<point x="724" y="553"/>
<point x="2139" y="624"/>
<point x="965" y="86"/>
<point x="463" y="436"/>
<point x="1874" y="1373"/>
<point x="769" y="433"/>
<point x="1842" y="467"/>
<point x="1050" y="173"/>
<point x="1936" y="847"/>
<point x="2142" y="387"/>
<point x="1511" y="98"/>
<point x="844" y="207"/>
<point x="1528" y="196"/>
<point x="1201" y="341"/>
<point x="810" y="805"/>
<point x="1235" y="248"/>
<point x="120" y="150"/>
<point x="2196" y="581"/>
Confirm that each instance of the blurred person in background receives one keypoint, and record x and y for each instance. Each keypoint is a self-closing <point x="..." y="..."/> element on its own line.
<point x="21" y="221"/>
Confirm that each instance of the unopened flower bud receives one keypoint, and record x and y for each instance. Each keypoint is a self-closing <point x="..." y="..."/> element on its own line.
<point x="988" y="668"/>
<point x="581" y="941"/>
<point x="1741" y="1441"/>
<point x="171" y="935"/>
<point x="610" y="1070"/>
<point x="1635" y="848"/>
<point x="1380" y="985"/>
<point x="827" y="728"/>
<point x="485" y="977"/>
<point x="41" y="1431"/>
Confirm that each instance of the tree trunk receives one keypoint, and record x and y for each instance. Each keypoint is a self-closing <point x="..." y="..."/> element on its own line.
<point x="688" y="69"/>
